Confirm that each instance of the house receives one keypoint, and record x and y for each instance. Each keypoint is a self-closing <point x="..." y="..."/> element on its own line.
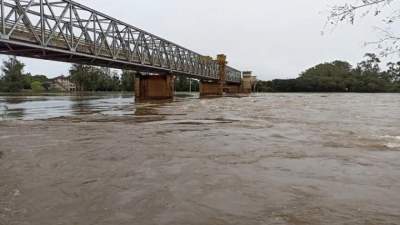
<point x="62" y="83"/>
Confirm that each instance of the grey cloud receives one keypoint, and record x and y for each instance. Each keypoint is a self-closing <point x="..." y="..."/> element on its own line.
<point x="275" y="39"/>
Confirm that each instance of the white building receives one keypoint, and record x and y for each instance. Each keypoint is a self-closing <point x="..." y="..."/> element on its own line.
<point x="63" y="83"/>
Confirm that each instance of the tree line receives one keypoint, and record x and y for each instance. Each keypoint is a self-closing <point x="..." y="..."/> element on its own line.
<point x="340" y="76"/>
<point x="86" y="78"/>
<point x="336" y="76"/>
<point x="92" y="78"/>
<point x="13" y="79"/>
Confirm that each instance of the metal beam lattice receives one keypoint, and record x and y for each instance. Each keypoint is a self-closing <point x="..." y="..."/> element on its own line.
<point x="63" y="30"/>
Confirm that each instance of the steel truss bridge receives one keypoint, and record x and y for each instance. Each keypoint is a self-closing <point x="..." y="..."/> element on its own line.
<point x="63" y="30"/>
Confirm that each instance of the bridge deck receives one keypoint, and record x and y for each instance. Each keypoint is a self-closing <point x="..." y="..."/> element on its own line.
<point x="63" y="30"/>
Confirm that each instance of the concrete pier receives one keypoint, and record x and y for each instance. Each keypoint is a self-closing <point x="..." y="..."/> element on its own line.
<point x="215" y="87"/>
<point x="248" y="82"/>
<point x="211" y="88"/>
<point x="157" y="87"/>
<point x="232" y="88"/>
<point x="154" y="87"/>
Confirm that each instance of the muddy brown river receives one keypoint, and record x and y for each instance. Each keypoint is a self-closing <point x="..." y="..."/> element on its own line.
<point x="284" y="159"/>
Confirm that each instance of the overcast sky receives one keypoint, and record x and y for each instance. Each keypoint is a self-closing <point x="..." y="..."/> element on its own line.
<point x="275" y="39"/>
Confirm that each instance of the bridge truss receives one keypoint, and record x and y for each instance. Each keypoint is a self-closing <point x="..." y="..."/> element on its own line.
<point x="63" y="30"/>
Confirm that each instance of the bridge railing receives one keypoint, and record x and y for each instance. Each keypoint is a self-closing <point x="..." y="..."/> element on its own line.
<point x="76" y="29"/>
<point x="233" y="75"/>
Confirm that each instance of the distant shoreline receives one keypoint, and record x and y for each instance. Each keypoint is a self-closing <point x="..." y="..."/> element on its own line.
<point x="178" y="93"/>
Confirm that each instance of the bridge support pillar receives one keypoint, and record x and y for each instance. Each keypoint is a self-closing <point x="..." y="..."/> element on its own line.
<point x="248" y="82"/>
<point x="232" y="88"/>
<point x="211" y="88"/>
<point x="154" y="87"/>
<point x="215" y="88"/>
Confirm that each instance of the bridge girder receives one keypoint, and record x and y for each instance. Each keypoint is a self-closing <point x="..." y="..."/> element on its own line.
<point x="63" y="30"/>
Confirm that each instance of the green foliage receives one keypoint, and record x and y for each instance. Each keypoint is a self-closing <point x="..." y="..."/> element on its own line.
<point x="37" y="86"/>
<point x="370" y="66"/>
<point x="182" y="84"/>
<point x="2" y="85"/>
<point x="86" y="78"/>
<point x="336" y="76"/>
<point x="47" y="85"/>
<point x="40" y="78"/>
<point x="128" y="81"/>
<point x="91" y="78"/>
<point x="393" y="73"/>
<point x="264" y="86"/>
<point x="339" y="76"/>
<point x="326" y="77"/>
<point x="77" y="75"/>
<point x="13" y="79"/>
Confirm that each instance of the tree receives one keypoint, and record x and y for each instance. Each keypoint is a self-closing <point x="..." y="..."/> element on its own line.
<point x="115" y="82"/>
<point x="47" y="85"/>
<point x="78" y="75"/>
<point x="332" y="76"/>
<point x="264" y="86"/>
<point x="2" y="85"/>
<point x="37" y="86"/>
<point x="40" y="78"/>
<point x="339" y="76"/>
<point x="182" y="84"/>
<point x="195" y="85"/>
<point x="91" y="78"/>
<point x="128" y="80"/>
<point x="348" y="11"/>
<point x="13" y="76"/>
<point x="394" y="71"/>
<point x="389" y="42"/>
<point x="370" y="65"/>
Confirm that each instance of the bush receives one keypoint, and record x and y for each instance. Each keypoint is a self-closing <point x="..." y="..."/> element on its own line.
<point x="37" y="86"/>
<point x="1" y="85"/>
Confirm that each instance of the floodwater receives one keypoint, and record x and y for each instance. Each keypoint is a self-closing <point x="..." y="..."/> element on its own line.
<point x="285" y="159"/>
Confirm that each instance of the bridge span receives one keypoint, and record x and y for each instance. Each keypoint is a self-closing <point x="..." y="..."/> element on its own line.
<point x="64" y="30"/>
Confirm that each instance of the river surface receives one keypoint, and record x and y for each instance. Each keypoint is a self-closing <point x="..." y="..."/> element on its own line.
<point x="285" y="159"/>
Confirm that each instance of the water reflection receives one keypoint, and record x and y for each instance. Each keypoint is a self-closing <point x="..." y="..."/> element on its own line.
<point x="14" y="113"/>
<point x="102" y="104"/>
<point x="145" y="110"/>
<point x="14" y="99"/>
<point x="99" y="104"/>
<point x="47" y="107"/>
<point x="81" y="107"/>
